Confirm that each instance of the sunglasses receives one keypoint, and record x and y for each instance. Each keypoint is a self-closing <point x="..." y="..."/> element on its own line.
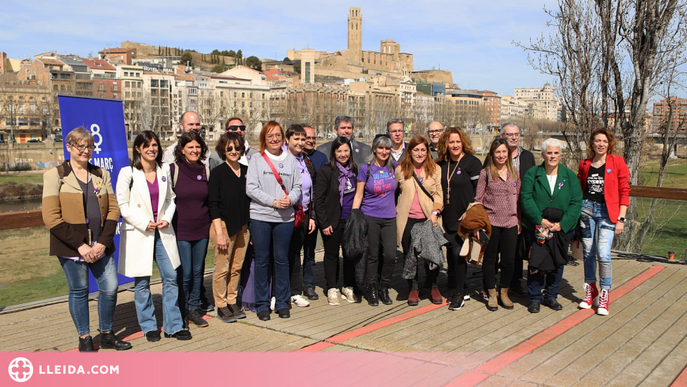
<point x="231" y="149"/>
<point x="234" y="128"/>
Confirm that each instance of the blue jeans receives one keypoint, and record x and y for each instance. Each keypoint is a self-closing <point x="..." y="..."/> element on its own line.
<point x="597" y="238"/>
<point x="105" y="272"/>
<point x="276" y="236"/>
<point x="190" y="274"/>
<point x="172" y="321"/>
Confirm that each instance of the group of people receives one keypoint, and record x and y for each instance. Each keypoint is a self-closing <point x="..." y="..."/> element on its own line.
<point x="262" y="206"/>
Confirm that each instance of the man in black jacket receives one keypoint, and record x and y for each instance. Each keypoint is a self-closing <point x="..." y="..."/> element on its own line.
<point x="523" y="160"/>
<point x="343" y="126"/>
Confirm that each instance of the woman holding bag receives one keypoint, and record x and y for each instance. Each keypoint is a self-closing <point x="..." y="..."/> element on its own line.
<point x="274" y="185"/>
<point x="420" y="199"/>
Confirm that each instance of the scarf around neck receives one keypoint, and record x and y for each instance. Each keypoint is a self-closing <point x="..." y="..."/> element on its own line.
<point x="345" y="174"/>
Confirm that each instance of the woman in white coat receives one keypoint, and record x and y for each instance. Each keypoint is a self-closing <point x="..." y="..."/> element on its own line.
<point x="146" y="203"/>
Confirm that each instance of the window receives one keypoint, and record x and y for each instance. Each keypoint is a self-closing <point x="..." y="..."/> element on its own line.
<point x="154" y="83"/>
<point x="126" y="73"/>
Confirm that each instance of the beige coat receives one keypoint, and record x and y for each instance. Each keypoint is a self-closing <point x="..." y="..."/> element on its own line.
<point x="408" y="188"/>
<point x="137" y="245"/>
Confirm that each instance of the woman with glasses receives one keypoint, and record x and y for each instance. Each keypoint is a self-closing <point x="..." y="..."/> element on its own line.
<point x="273" y="184"/>
<point x="498" y="189"/>
<point x="191" y="221"/>
<point x="146" y="201"/>
<point x="229" y="210"/>
<point x="80" y="210"/>
<point x="420" y="200"/>
<point x="375" y="197"/>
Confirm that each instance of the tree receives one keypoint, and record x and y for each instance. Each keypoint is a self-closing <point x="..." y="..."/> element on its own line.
<point x="254" y="63"/>
<point x="187" y="59"/>
<point x="239" y="57"/>
<point x="215" y="52"/>
<point x="608" y="57"/>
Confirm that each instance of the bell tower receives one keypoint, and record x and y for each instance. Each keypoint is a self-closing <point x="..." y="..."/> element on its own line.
<point x="355" y="34"/>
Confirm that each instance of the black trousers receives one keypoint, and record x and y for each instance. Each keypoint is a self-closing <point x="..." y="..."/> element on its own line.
<point x="332" y="244"/>
<point x="381" y="233"/>
<point x="460" y="266"/>
<point x="503" y="242"/>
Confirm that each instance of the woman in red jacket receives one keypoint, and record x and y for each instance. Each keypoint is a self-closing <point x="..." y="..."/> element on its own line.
<point x="605" y="181"/>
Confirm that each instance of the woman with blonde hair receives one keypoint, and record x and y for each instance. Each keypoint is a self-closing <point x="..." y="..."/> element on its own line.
<point x="84" y="240"/>
<point x="420" y="199"/>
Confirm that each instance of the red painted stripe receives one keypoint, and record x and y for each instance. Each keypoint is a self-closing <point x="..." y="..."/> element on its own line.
<point x="681" y="380"/>
<point x="316" y="347"/>
<point x="507" y="358"/>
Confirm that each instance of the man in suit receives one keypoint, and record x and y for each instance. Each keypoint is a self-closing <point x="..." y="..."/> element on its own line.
<point x="395" y="128"/>
<point x="343" y="126"/>
<point x="523" y="160"/>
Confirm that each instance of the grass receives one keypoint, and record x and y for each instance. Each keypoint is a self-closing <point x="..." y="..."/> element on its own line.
<point x="21" y="178"/>
<point x="30" y="274"/>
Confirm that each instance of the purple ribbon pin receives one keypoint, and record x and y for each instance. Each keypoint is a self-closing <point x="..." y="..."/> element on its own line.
<point x="609" y="170"/>
<point x="281" y="165"/>
<point x="199" y="177"/>
<point x="164" y="179"/>
<point x="356" y="150"/>
<point x="459" y="172"/>
<point x="561" y="184"/>
<point x="248" y="157"/>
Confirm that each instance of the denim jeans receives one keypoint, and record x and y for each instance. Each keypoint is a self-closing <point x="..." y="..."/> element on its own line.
<point x="172" y="321"/>
<point x="278" y="236"/>
<point x="597" y="238"/>
<point x="309" y="243"/>
<point x="190" y="274"/>
<point x="105" y="272"/>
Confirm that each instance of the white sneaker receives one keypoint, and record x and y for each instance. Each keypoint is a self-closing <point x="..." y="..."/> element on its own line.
<point x="273" y="302"/>
<point x="299" y="301"/>
<point x="333" y="296"/>
<point x="466" y="297"/>
<point x="348" y="295"/>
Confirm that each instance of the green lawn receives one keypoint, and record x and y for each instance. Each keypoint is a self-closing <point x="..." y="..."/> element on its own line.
<point x="30" y="274"/>
<point x="20" y="178"/>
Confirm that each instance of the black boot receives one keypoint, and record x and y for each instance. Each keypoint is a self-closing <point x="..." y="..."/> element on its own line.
<point x="384" y="296"/>
<point x="110" y="341"/>
<point x="371" y="296"/>
<point x="86" y="344"/>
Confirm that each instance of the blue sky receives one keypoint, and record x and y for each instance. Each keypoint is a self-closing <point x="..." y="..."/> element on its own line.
<point x="472" y="39"/>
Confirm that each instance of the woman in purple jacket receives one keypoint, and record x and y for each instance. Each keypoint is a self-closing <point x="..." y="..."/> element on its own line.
<point x="191" y="221"/>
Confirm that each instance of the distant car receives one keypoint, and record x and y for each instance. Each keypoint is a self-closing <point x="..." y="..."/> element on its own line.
<point x="34" y="140"/>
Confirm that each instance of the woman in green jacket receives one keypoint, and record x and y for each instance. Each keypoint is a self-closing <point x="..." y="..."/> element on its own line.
<point x="549" y="186"/>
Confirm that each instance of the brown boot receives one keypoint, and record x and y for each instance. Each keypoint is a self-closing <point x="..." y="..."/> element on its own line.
<point x="505" y="301"/>
<point x="492" y="301"/>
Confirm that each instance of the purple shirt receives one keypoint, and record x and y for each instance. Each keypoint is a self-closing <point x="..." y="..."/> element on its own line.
<point x="379" y="199"/>
<point x="154" y="190"/>
<point x="306" y="180"/>
<point x="192" y="219"/>
<point x="348" y="196"/>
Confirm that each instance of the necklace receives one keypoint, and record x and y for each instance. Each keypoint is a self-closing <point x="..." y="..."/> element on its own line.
<point x="449" y="176"/>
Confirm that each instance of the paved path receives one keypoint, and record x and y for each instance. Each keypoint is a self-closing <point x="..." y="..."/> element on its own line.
<point x="642" y="342"/>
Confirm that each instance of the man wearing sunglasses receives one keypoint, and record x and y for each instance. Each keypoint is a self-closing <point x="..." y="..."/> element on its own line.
<point x="343" y="126"/>
<point x="235" y="124"/>
<point x="189" y="121"/>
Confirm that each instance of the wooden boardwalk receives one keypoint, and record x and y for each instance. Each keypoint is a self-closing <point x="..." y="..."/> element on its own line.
<point x="642" y="341"/>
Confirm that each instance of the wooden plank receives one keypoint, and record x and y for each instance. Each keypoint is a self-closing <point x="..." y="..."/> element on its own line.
<point x="658" y="192"/>
<point x="12" y="220"/>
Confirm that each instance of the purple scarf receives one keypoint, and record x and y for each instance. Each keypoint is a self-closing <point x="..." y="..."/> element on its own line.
<point x="345" y="174"/>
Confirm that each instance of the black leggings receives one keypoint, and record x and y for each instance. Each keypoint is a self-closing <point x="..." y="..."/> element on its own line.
<point x="332" y="243"/>
<point x="503" y="240"/>
<point x="432" y="275"/>
<point x="381" y="233"/>
<point x="460" y="266"/>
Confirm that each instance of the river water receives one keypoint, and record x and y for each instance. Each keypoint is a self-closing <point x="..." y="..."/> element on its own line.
<point x="19" y="205"/>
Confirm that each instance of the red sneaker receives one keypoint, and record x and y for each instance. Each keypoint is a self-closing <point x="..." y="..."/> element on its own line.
<point x="591" y="296"/>
<point x="603" y="303"/>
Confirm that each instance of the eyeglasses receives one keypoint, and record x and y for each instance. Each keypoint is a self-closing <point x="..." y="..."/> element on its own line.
<point x="83" y="148"/>
<point x="395" y="131"/>
<point x="231" y="149"/>
<point x="435" y="131"/>
<point x="234" y="128"/>
<point x="273" y="136"/>
<point x="512" y="134"/>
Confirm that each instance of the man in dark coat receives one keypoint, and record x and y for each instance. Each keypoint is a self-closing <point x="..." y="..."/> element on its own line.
<point x="343" y="126"/>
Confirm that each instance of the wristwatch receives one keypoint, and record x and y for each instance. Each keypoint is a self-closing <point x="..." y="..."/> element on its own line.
<point x="436" y="212"/>
<point x="621" y="219"/>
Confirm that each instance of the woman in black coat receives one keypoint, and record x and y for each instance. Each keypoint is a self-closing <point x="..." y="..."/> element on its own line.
<point x="334" y="192"/>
